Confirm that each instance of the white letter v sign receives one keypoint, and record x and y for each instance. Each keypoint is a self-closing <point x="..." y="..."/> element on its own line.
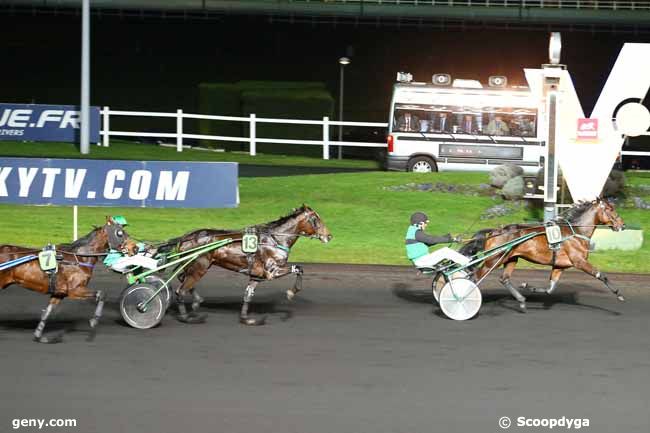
<point x="586" y="165"/>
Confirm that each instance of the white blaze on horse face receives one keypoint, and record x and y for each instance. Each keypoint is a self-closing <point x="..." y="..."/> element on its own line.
<point x="586" y="165"/>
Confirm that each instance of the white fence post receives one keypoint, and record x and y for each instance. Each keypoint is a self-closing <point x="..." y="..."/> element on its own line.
<point x="326" y="137"/>
<point x="179" y="130"/>
<point x="253" y="144"/>
<point x="107" y="126"/>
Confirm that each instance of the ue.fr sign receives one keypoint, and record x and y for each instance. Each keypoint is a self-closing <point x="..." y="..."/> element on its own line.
<point x="30" y="122"/>
<point x="119" y="183"/>
<point x="587" y="130"/>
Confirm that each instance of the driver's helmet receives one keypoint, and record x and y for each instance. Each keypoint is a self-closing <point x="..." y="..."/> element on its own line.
<point x="418" y="218"/>
<point x="119" y="219"/>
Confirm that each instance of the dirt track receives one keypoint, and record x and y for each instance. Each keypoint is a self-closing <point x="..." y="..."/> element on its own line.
<point x="361" y="349"/>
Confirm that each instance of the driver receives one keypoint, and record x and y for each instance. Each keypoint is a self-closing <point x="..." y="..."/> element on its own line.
<point x="418" y="243"/>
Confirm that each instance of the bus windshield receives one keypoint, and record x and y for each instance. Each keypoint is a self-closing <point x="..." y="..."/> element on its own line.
<point x="495" y="121"/>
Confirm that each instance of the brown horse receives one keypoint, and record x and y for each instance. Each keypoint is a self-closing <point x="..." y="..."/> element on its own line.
<point x="76" y="263"/>
<point x="267" y="263"/>
<point x="577" y="226"/>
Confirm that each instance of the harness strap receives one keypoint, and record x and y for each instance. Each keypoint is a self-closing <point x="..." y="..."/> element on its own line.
<point x="51" y="286"/>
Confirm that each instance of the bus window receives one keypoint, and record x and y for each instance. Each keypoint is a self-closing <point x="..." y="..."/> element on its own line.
<point x="514" y="122"/>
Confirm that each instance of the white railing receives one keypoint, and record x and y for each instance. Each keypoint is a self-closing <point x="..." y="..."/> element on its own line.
<point x="563" y="4"/>
<point x="252" y="139"/>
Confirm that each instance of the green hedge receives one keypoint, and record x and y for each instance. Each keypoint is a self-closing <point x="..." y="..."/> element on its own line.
<point x="223" y="100"/>
<point x="274" y="99"/>
<point x="308" y="104"/>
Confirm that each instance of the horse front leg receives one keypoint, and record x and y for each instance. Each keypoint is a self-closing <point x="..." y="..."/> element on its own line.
<point x="38" y="332"/>
<point x="297" y="284"/>
<point x="587" y="267"/>
<point x="273" y="270"/>
<point x="84" y="293"/>
<point x="99" y="309"/>
<point x="244" y="318"/>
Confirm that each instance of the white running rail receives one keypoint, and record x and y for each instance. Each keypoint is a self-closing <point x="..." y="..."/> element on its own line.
<point x="252" y="139"/>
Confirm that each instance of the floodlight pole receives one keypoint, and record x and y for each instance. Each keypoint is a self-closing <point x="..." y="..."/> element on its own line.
<point x="84" y="145"/>
<point x="342" y="61"/>
<point x="551" y="74"/>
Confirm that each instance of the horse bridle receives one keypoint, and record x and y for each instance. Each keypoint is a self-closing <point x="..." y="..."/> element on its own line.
<point x="116" y="238"/>
<point x="608" y="214"/>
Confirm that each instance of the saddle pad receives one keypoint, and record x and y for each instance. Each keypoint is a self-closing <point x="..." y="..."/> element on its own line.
<point x="47" y="260"/>
<point x="249" y="243"/>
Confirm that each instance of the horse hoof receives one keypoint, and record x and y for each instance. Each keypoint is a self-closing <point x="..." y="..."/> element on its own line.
<point x="620" y="298"/>
<point x="192" y="319"/>
<point x="525" y="286"/>
<point x="522" y="308"/>
<point x="290" y="295"/>
<point x="250" y="321"/>
<point x="49" y="340"/>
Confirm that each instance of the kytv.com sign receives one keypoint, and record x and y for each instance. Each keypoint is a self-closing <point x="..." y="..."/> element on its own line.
<point x="119" y="183"/>
<point x="28" y="122"/>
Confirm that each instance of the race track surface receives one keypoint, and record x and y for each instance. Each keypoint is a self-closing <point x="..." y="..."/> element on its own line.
<point x="361" y="349"/>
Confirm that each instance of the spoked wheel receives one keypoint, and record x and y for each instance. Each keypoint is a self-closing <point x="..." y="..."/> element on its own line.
<point x="158" y="282"/>
<point x="439" y="282"/>
<point x="135" y="313"/>
<point x="460" y="299"/>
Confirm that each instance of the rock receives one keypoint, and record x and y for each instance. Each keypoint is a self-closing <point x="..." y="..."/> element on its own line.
<point x="501" y="174"/>
<point x="425" y="187"/>
<point x="514" y="188"/>
<point x="639" y="203"/>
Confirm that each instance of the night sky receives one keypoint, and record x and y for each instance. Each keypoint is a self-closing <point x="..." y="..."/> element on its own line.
<point x="156" y="64"/>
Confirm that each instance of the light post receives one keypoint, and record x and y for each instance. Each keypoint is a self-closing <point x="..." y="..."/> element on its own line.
<point x="85" y="78"/>
<point x="342" y="61"/>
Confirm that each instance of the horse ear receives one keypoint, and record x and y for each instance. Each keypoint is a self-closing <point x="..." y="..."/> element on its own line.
<point x="109" y="220"/>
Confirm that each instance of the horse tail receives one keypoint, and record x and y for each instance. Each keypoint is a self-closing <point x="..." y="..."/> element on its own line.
<point x="476" y="244"/>
<point x="473" y="247"/>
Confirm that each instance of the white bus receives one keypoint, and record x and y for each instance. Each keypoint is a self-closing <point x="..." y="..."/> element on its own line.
<point x="462" y="127"/>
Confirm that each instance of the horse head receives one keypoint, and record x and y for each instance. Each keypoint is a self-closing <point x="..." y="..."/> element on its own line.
<point x="311" y="224"/>
<point x="115" y="237"/>
<point x="607" y="215"/>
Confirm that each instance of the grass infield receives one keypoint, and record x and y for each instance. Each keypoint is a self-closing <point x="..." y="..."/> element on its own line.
<point x="368" y="222"/>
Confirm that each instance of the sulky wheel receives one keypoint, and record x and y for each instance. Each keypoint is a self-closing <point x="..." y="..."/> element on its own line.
<point x="133" y="311"/>
<point x="439" y="282"/>
<point x="460" y="299"/>
<point x="158" y="282"/>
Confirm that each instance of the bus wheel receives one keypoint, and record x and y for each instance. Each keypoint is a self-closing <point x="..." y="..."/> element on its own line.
<point x="422" y="164"/>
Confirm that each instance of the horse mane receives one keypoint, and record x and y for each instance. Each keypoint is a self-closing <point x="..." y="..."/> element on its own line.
<point x="283" y="219"/>
<point x="172" y="243"/>
<point x="576" y="211"/>
<point x="81" y="242"/>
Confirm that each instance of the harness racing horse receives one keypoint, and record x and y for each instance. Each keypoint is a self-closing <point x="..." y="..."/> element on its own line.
<point x="76" y="263"/>
<point x="577" y="226"/>
<point x="268" y="263"/>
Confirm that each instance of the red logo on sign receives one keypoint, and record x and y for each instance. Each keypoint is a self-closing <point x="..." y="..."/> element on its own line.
<point x="587" y="129"/>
